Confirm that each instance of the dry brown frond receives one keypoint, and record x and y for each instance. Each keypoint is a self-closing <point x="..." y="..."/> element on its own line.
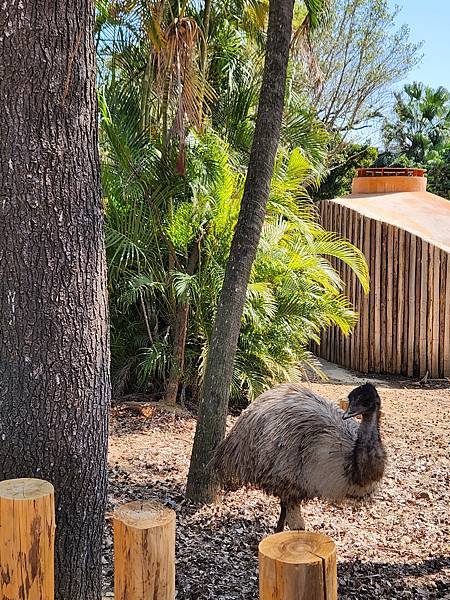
<point x="179" y="80"/>
<point x="301" y="48"/>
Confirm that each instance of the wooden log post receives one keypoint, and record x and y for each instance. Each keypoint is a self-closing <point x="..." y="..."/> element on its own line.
<point x="27" y="539"/>
<point x="144" y="552"/>
<point x="297" y="565"/>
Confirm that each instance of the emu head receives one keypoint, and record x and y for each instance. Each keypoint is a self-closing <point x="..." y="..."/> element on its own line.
<point x="362" y="400"/>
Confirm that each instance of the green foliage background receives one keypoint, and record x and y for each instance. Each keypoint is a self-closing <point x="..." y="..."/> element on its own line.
<point x="178" y="92"/>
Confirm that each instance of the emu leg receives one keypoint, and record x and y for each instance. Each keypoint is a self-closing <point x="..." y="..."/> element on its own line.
<point x="294" y="517"/>
<point x="282" y="518"/>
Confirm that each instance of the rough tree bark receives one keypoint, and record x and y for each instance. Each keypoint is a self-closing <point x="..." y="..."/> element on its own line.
<point x="214" y="402"/>
<point x="54" y="357"/>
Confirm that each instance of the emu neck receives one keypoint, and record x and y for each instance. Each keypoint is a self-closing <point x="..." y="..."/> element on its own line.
<point x="368" y="453"/>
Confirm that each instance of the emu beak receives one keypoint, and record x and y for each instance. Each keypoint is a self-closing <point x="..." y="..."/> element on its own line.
<point x="346" y="415"/>
<point x="351" y="412"/>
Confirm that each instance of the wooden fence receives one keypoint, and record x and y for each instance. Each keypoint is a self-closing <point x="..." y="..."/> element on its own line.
<point x="404" y="324"/>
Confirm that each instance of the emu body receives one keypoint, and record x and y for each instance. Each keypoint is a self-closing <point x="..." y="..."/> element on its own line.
<point x="295" y="445"/>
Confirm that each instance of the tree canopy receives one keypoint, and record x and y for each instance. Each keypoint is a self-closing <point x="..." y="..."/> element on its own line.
<point x="361" y="54"/>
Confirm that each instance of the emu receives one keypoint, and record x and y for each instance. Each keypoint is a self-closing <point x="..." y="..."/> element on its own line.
<point x="295" y="445"/>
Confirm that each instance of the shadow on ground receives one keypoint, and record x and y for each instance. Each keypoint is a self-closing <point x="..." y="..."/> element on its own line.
<point x="369" y="580"/>
<point x="217" y="553"/>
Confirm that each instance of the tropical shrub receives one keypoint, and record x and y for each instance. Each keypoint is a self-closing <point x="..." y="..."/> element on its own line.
<point x="157" y="221"/>
<point x="174" y="153"/>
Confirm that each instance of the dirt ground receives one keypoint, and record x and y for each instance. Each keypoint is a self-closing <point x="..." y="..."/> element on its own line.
<point x="396" y="546"/>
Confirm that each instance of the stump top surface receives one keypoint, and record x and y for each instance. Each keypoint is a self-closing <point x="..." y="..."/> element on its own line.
<point x="25" y="489"/>
<point x="144" y="514"/>
<point x="297" y="547"/>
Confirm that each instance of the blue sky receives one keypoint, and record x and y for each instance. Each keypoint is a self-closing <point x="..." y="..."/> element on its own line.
<point x="429" y="21"/>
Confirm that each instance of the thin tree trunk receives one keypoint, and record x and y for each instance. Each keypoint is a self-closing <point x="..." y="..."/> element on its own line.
<point x="54" y="356"/>
<point x="180" y="334"/>
<point x="214" y="403"/>
<point x="206" y="23"/>
<point x="204" y="52"/>
<point x="145" y="95"/>
<point x="179" y="343"/>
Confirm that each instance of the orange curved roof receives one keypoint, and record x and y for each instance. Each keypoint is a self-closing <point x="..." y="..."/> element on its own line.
<point x="421" y="213"/>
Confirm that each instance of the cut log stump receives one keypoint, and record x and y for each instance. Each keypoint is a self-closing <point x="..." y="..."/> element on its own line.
<point x="27" y="539"/>
<point x="297" y="565"/>
<point x="144" y="552"/>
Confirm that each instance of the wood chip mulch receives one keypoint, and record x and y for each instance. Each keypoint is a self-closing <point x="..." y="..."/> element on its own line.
<point x="396" y="546"/>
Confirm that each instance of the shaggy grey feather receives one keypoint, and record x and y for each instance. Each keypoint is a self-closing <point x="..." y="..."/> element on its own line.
<point x="296" y="445"/>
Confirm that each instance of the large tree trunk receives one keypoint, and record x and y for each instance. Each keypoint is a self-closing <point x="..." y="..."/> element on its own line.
<point x="54" y="357"/>
<point x="214" y="403"/>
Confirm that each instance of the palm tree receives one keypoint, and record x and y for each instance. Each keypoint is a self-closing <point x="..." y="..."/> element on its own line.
<point x="158" y="46"/>
<point x="421" y="122"/>
<point x="155" y="224"/>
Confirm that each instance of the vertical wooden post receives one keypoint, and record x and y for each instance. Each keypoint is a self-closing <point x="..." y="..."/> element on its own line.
<point x="367" y="299"/>
<point x="434" y="308"/>
<point x="27" y="538"/>
<point x="144" y="552"/>
<point x="297" y="565"/>
<point x="376" y="307"/>
<point x="446" y="347"/>
<point x="442" y="285"/>
<point x="402" y="299"/>
<point x="422" y="309"/>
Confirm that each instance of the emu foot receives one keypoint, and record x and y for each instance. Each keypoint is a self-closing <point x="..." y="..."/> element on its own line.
<point x="279" y="528"/>
<point x="281" y="520"/>
<point x="294" y="518"/>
